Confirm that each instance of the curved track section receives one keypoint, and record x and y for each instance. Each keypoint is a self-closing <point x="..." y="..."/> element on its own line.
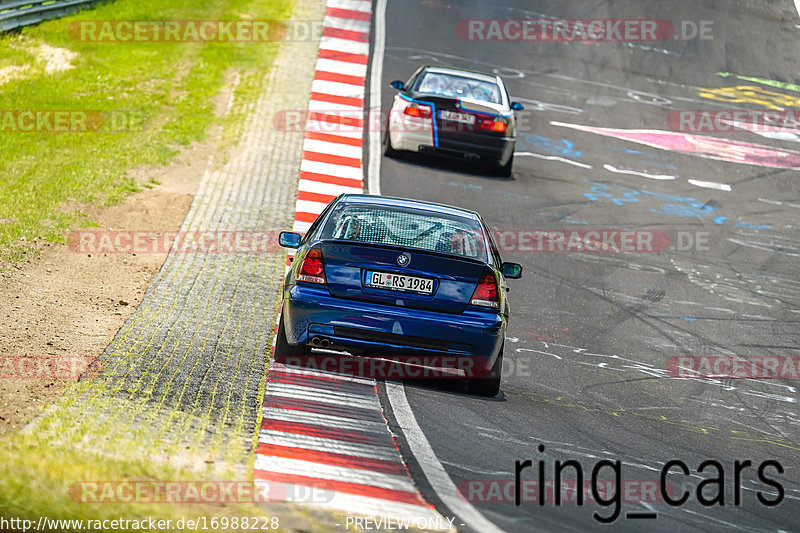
<point x="596" y="338"/>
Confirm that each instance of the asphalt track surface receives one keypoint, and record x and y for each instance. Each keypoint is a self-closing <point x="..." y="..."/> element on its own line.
<point x="591" y="333"/>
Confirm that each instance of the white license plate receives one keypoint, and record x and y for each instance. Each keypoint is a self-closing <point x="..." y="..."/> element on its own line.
<point x="455" y="116"/>
<point x="399" y="282"/>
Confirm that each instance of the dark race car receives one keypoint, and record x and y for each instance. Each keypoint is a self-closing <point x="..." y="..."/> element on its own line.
<point x="388" y="277"/>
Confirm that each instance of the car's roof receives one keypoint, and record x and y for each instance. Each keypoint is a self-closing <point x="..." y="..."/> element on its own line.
<point x="462" y="72"/>
<point x="391" y="201"/>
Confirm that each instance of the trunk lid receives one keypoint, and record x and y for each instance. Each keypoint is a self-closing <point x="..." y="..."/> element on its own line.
<point x="348" y="266"/>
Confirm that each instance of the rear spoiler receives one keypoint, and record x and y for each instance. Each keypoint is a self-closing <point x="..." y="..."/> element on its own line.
<point x="481" y="106"/>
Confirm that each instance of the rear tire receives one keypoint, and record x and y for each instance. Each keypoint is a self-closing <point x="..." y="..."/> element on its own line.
<point x="388" y="150"/>
<point x="490" y="385"/>
<point x="504" y="171"/>
<point x="283" y="350"/>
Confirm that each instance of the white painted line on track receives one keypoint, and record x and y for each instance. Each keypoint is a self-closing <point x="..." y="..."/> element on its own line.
<point x="325" y="374"/>
<point x="354" y="132"/>
<point x="341" y="67"/>
<point x="346" y="46"/>
<point x="327" y="188"/>
<point x="431" y="466"/>
<point x="325" y="147"/>
<point x="323" y="444"/>
<point x="661" y="177"/>
<point x="307" y="206"/>
<point x="379" y="40"/>
<point x="361" y="26"/>
<point x="553" y="158"/>
<point x="331" y="169"/>
<point x="343" y="110"/>
<point x="300" y="227"/>
<point x="319" y="419"/>
<point x="334" y="87"/>
<point x="304" y="393"/>
<point x="284" y="465"/>
<point x="365" y="398"/>
<point x="352" y="5"/>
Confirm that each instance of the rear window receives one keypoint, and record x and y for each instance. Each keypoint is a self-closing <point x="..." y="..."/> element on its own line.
<point x="459" y="87"/>
<point x="408" y="228"/>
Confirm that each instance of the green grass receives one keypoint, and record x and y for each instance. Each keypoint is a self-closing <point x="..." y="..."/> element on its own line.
<point x="170" y="84"/>
<point x="39" y="479"/>
<point x="173" y="85"/>
<point x="46" y="468"/>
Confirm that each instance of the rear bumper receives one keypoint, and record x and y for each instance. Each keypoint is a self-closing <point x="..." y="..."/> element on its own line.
<point x="499" y="152"/>
<point x="370" y="329"/>
<point x="412" y="134"/>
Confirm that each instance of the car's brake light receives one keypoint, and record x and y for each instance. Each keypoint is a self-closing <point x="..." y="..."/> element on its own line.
<point x="414" y="110"/>
<point x="497" y="125"/>
<point x="486" y="293"/>
<point x="312" y="270"/>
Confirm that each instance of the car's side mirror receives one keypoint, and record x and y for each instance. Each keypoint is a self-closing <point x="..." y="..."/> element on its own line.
<point x="516" y="106"/>
<point x="288" y="239"/>
<point x="512" y="270"/>
<point x="399" y="85"/>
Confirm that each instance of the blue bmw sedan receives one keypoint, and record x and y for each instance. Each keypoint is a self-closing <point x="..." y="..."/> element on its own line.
<point x="386" y="277"/>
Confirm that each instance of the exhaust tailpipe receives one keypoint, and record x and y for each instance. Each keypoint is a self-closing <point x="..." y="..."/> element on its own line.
<point x="316" y="341"/>
<point x="472" y="157"/>
<point x="324" y="343"/>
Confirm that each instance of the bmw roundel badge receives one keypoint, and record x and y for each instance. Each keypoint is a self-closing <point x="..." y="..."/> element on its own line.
<point x="403" y="259"/>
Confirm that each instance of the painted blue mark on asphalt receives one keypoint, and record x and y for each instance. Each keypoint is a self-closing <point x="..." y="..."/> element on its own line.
<point x="465" y="185"/>
<point x="600" y="190"/>
<point x="474" y="187"/>
<point x="560" y="147"/>
<point x="652" y="158"/>
<point x="749" y="225"/>
<point x="686" y="210"/>
<point x="651" y="155"/>
<point x="682" y="206"/>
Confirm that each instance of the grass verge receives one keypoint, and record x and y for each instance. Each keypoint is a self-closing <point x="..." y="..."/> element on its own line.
<point x="174" y="88"/>
<point x="153" y="97"/>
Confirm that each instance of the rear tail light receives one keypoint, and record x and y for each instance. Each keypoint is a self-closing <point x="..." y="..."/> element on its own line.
<point x="415" y="110"/>
<point x="498" y="125"/>
<point x="487" y="293"/>
<point x="312" y="270"/>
